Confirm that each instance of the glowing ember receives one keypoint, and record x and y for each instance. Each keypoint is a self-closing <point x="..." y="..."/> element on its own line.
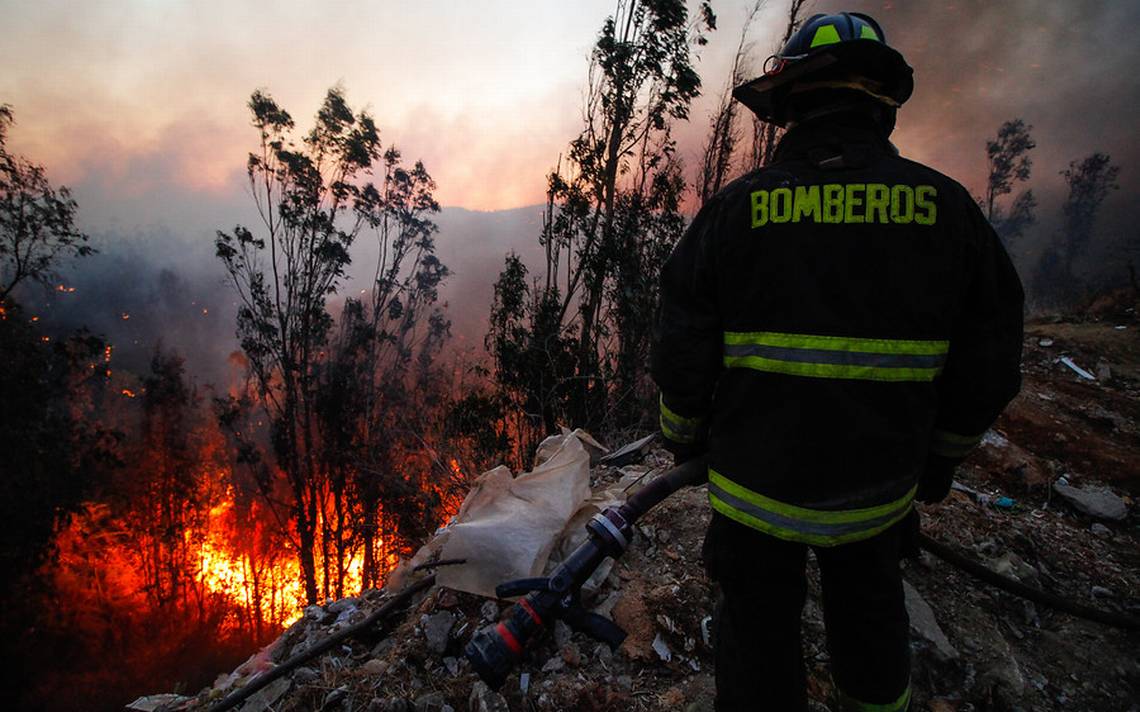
<point x="64" y="288"/>
<point x="128" y="393"/>
<point x="126" y="316"/>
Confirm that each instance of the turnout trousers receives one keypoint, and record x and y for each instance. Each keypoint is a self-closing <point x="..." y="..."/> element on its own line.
<point x="759" y="658"/>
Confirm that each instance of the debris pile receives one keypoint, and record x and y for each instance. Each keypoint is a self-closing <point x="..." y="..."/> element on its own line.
<point x="1047" y="500"/>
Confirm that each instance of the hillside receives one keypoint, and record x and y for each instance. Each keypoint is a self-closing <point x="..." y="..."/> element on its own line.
<point x="1049" y="499"/>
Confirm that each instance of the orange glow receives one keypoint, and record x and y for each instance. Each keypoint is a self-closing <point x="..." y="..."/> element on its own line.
<point x="35" y="319"/>
<point x="64" y="288"/>
<point x="126" y="316"/>
<point x="128" y="393"/>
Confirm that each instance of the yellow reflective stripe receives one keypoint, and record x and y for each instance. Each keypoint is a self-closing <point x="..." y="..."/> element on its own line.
<point x="899" y="705"/>
<point x="793" y="534"/>
<point x="948" y="444"/>
<point x="839" y="343"/>
<point x="844" y="516"/>
<point x="866" y="33"/>
<point x="825" y="35"/>
<point x="678" y="428"/>
<point x="849" y="357"/>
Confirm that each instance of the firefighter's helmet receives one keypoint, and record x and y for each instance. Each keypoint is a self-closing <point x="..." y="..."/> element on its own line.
<point x="845" y="51"/>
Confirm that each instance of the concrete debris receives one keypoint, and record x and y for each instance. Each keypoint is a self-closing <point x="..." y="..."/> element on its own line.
<point x="1096" y="502"/>
<point x="924" y="624"/>
<point x="437" y="629"/>
<point x="265" y="698"/>
<point x="484" y="699"/>
<point x="157" y="703"/>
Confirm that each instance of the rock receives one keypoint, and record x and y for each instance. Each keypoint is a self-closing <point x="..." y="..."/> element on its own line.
<point x="555" y="664"/>
<point x="662" y="648"/>
<point x="1101" y="592"/>
<point x="151" y="703"/>
<point x="344" y="604"/>
<point x="925" y="625"/>
<point x="571" y="655"/>
<point x="1101" y="530"/>
<point x="671" y="699"/>
<point x="437" y="630"/>
<point x="334" y="698"/>
<point x="431" y="702"/>
<point x="383" y="648"/>
<point x="448" y="599"/>
<point x="265" y="698"/>
<point x="375" y="667"/>
<point x="394" y="704"/>
<point x="489" y="611"/>
<point x="562" y="633"/>
<point x="1096" y="502"/>
<point x="484" y="699"/>
<point x="1103" y="371"/>
<point x="452" y="665"/>
<point x="306" y="675"/>
<point x="1012" y="566"/>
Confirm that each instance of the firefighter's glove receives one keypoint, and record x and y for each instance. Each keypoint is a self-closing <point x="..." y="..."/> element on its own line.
<point x="934" y="484"/>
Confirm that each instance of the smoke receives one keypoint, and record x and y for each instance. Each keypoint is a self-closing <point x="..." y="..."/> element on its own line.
<point x="1067" y="68"/>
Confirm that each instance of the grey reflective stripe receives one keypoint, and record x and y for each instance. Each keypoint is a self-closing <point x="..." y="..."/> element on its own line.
<point x="838" y="358"/>
<point x="679" y="428"/>
<point x="798" y="526"/>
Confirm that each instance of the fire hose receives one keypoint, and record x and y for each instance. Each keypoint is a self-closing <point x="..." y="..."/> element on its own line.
<point x="497" y="648"/>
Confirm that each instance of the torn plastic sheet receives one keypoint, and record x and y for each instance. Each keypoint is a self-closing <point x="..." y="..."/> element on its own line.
<point x="507" y="526"/>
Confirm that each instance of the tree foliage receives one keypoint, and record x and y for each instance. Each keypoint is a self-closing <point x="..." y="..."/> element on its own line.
<point x="37" y="220"/>
<point x="1009" y="164"/>
<point x="568" y="346"/>
<point x="324" y="388"/>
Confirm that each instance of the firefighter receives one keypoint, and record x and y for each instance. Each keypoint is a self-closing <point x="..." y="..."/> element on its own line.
<point x="837" y="330"/>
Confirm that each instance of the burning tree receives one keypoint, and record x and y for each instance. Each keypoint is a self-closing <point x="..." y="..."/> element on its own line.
<point x="331" y="392"/>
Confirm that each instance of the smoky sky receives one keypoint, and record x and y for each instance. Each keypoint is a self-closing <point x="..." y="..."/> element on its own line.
<point x="1069" y="69"/>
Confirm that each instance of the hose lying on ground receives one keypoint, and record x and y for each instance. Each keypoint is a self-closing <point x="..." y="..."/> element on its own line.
<point x="977" y="570"/>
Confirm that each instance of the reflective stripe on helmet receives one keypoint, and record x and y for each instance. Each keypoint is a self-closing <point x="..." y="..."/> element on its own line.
<point x="815" y="356"/>
<point x="825" y="35"/>
<point x="793" y="523"/>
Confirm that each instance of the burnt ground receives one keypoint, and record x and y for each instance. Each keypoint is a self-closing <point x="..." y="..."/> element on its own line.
<point x="995" y="652"/>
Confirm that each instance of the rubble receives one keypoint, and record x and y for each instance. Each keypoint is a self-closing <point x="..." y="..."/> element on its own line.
<point x="924" y="624"/>
<point x="1097" y="502"/>
<point x="975" y="647"/>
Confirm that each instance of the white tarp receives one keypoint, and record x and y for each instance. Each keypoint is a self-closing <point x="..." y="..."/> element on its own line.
<point x="507" y="527"/>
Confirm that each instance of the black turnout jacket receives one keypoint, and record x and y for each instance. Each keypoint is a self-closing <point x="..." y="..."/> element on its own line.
<point x="829" y="322"/>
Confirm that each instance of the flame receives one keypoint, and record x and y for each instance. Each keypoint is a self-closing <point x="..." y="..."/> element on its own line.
<point x="128" y="393"/>
<point x="126" y="316"/>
